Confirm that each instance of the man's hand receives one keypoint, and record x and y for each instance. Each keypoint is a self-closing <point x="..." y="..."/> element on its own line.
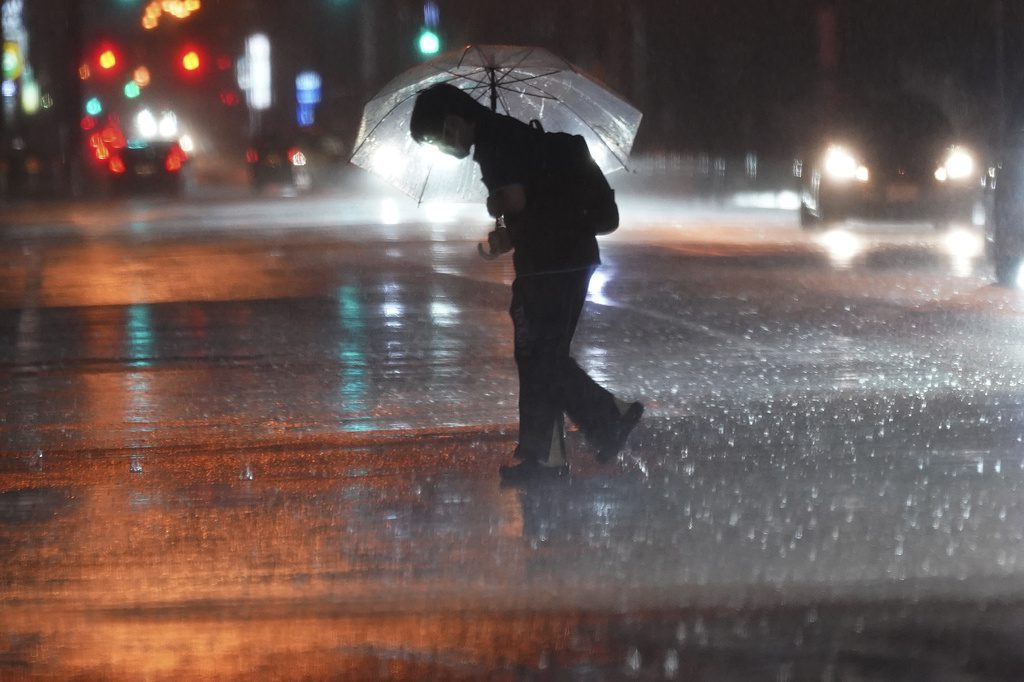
<point x="507" y="200"/>
<point x="498" y="242"/>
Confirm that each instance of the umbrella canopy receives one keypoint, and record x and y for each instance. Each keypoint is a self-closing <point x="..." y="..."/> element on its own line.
<point x="524" y="82"/>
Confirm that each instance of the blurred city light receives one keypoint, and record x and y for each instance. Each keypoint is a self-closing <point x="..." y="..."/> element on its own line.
<point x="29" y="94"/>
<point x="190" y="61"/>
<point x="964" y="243"/>
<point x="12" y="60"/>
<point x="254" y="72"/>
<point x="168" y="126"/>
<point x="93" y="106"/>
<point x="107" y="59"/>
<point x="105" y="142"/>
<point x="146" y="125"/>
<point x="176" y="158"/>
<point x="178" y="9"/>
<point x="841" y="164"/>
<point x="141" y="76"/>
<point x="959" y="165"/>
<point x="428" y="42"/>
<point x="841" y="246"/>
<point x="431" y="14"/>
<point x="307" y="94"/>
<point x="131" y="90"/>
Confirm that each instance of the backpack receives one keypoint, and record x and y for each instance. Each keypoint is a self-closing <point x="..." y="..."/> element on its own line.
<point x="570" y="186"/>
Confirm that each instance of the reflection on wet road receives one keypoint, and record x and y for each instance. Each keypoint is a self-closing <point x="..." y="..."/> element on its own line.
<point x="272" y="452"/>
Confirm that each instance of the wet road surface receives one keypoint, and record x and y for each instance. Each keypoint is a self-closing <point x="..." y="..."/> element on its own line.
<point x="260" y="439"/>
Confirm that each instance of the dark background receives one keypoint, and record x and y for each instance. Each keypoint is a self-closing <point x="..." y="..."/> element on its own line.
<point x="722" y="77"/>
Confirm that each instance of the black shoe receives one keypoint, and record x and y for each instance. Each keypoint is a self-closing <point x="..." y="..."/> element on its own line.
<point x="529" y="471"/>
<point x="616" y="438"/>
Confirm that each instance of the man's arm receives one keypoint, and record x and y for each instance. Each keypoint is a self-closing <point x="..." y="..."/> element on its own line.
<point x="506" y="201"/>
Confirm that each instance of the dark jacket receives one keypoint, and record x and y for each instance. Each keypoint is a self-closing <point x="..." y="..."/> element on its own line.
<point x="508" y="152"/>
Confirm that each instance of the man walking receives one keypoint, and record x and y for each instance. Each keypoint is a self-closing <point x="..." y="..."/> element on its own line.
<point x="553" y="263"/>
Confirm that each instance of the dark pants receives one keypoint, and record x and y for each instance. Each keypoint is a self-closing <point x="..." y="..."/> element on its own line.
<point x="545" y="309"/>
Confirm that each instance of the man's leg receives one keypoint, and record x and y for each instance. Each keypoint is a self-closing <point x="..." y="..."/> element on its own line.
<point x="604" y="419"/>
<point x="542" y="335"/>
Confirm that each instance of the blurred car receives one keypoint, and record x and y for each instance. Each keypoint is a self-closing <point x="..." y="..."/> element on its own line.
<point x="892" y="158"/>
<point x="277" y="160"/>
<point x="148" y="167"/>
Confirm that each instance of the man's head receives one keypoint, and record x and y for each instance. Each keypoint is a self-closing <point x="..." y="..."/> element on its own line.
<point x="446" y="117"/>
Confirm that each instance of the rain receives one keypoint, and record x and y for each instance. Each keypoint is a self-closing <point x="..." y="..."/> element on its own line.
<point x="257" y="380"/>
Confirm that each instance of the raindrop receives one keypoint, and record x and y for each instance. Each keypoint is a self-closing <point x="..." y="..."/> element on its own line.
<point x="671" y="666"/>
<point x="633" y="660"/>
<point x="136" y="465"/>
<point x="701" y="632"/>
<point x="246" y="474"/>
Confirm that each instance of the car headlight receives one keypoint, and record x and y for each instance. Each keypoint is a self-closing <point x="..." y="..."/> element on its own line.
<point x="841" y="164"/>
<point x="959" y="165"/>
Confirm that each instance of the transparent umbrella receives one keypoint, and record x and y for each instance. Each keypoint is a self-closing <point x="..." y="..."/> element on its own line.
<point x="524" y="82"/>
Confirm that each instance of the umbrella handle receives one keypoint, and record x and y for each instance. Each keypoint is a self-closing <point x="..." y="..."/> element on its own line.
<point x="484" y="253"/>
<point x="485" y="250"/>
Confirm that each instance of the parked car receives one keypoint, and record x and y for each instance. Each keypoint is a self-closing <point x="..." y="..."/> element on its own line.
<point x="891" y="158"/>
<point x="148" y="167"/>
<point x="275" y="159"/>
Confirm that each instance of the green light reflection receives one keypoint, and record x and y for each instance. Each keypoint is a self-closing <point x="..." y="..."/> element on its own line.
<point x="352" y="354"/>
<point x="139" y="336"/>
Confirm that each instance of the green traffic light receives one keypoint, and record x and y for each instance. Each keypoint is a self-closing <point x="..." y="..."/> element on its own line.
<point x="131" y="90"/>
<point x="93" y="106"/>
<point x="429" y="43"/>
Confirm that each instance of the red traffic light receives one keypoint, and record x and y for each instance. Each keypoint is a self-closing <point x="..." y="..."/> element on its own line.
<point x="191" y="60"/>
<point x="107" y="59"/>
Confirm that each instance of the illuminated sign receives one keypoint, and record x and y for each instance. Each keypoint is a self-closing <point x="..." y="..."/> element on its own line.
<point x="12" y="61"/>
<point x="254" y="72"/>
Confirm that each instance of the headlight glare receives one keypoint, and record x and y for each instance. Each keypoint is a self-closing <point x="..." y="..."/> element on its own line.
<point x="841" y="164"/>
<point x="959" y="165"/>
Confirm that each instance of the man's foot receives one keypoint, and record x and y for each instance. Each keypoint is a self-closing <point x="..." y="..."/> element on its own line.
<point x="529" y="471"/>
<point x="615" y="440"/>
